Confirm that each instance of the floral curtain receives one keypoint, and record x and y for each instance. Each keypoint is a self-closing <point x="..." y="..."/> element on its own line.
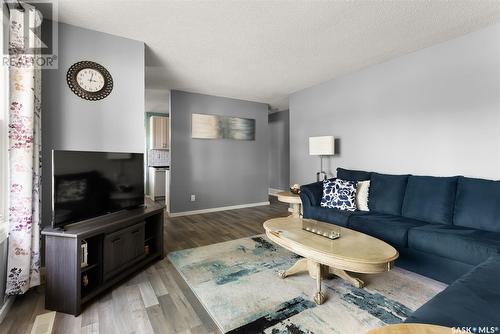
<point x="23" y="262"/>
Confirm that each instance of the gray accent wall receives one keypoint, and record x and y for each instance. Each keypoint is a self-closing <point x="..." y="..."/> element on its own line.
<point x="432" y="112"/>
<point x="219" y="172"/>
<point x="115" y="123"/>
<point x="279" y="150"/>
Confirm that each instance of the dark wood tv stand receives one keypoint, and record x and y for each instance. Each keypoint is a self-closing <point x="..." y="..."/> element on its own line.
<point x="119" y="244"/>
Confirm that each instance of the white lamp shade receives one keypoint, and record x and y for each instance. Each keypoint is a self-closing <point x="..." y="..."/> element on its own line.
<point x="323" y="145"/>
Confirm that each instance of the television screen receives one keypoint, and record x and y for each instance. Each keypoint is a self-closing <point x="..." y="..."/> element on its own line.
<point x="90" y="184"/>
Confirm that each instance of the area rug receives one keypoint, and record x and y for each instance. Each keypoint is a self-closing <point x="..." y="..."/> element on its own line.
<point x="237" y="283"/>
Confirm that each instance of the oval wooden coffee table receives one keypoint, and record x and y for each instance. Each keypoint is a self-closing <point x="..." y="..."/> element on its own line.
<point x="353" y="251"/>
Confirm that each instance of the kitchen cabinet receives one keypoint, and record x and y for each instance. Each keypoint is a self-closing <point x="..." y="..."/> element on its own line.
<point x="159" y="136"/>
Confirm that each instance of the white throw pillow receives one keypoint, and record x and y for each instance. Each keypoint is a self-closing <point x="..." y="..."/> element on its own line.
<point x="362" y="191"/>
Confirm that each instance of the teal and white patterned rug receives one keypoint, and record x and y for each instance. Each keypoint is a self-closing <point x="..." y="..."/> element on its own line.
<point x="237" y="283"/>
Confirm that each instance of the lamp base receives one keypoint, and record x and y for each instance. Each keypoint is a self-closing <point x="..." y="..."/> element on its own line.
<point x="318" y="174"/>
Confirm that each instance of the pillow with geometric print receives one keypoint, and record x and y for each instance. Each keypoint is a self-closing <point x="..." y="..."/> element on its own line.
<point x="339" y="194"/>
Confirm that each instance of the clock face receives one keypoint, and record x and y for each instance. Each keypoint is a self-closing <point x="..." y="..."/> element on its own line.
<point x="91" y="80"/>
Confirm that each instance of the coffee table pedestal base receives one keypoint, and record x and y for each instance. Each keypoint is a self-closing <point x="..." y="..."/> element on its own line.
<point x="318" y="272"/>
<point x="345" y="276"/>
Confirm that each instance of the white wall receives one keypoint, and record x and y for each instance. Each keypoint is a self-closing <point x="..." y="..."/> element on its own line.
<point x="433" y="112"/>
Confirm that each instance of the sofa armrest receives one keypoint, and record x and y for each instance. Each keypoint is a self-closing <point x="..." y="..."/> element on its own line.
<point x="311" y="194"/>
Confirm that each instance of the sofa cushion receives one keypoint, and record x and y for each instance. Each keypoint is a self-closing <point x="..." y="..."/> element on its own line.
<point x="333" y="216"/>
<point x="352" y="175"/>
<point x="387" y="193"/>
<point x="389" y="228"/>
<point x="454" y="242"/>
<point x="473" y="300"/>
<point x="430" y="199"/>
<point x="433" y="266"/>
<point x="477" y="204"/>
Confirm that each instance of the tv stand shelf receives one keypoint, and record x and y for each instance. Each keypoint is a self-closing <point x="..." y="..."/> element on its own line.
<point x="119" y="244"/>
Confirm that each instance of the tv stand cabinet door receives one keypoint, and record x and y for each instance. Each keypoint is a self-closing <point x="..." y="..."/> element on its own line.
<point x="136" y="242"/>
<point x="121" y="248"/>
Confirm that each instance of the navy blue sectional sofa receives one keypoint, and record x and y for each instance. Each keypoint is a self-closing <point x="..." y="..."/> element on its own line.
<point x="446" y="228"/>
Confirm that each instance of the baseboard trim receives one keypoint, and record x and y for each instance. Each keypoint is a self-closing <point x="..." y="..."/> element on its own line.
<point x="6" y="307"/>
<point x="274" y="191"/>
<point x="222" y="208"/>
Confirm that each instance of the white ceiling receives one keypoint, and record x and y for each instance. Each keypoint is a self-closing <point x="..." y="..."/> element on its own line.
<point x="265" y="50"/>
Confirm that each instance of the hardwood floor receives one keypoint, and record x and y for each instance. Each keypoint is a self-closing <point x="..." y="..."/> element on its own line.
<point x="156" y="300"/>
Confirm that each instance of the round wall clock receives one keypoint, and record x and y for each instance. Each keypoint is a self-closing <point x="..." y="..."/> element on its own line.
<point x="89" y="80"/>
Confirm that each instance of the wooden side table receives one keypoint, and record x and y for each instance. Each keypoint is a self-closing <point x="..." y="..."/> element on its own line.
<point x="294" y="200"/>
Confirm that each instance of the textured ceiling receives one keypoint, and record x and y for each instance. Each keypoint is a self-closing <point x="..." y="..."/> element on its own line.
<point x="265" y="50"/>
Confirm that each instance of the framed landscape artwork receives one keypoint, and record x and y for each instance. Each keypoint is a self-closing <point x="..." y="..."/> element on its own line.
<point x="205" y="126"/>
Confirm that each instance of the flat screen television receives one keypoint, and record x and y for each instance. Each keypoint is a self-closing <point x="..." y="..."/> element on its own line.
<point x="90" y="184"/>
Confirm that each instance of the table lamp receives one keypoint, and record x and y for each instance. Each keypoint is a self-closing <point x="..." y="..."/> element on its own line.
<point x="322" y="146"/>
